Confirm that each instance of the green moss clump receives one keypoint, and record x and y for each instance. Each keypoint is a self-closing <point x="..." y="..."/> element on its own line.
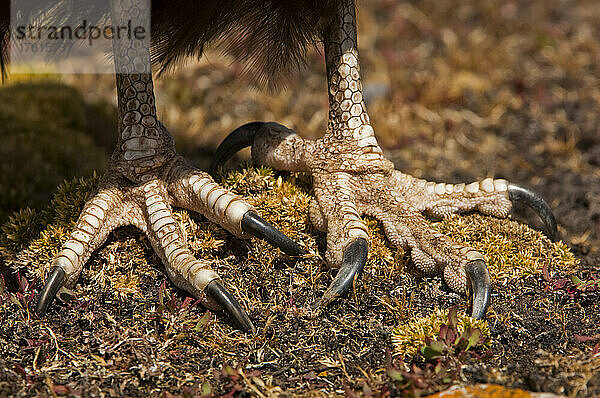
<point x="408" y="338"/>
<point x="19" y="230"/>
<point x="69" y="199"/>
<point x="513" y="250"/>
<point x="32" y="237"/>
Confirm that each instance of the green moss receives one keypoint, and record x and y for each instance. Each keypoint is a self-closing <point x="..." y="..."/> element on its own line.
<point x="409" y="337"/>
<point x="69" y="200"/>
<point x="19" y="230"/>
<point x="33" y="237"/>
<point x="512" y="249"/>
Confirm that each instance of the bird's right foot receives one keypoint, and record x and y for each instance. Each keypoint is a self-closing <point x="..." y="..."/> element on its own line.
<point x="148" y="205"/>
<point x="146" y="178"/>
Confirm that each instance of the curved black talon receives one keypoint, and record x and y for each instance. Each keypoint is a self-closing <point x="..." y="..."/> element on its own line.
<point x="517" y="193"/>
<point x="216" y="291"/>
<point x="255" y="225"/>
<point x="238" y="139"/>
<point x="481" y="287"/>
<point x="355" y="257"/>
<point x="51" y="287"/>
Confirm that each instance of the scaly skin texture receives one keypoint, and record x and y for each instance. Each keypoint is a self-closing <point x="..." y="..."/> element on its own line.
<point x="352" y="177"/>
<point x="146" y="178"/>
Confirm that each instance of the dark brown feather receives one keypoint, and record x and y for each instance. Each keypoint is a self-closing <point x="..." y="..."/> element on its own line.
<point x="270" y="37"/>
<point x="4" y="35"/>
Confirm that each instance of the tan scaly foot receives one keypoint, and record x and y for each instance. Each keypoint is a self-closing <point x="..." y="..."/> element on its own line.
<point x="145" y="180"/>
<point x="352" y="178"/>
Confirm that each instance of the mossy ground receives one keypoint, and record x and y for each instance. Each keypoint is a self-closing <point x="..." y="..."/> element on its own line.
<point x="457" y="91"/>
<point x="125" y="330"/>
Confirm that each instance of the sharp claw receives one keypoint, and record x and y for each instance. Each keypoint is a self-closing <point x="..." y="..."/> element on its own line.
<point x="519" y="194"/>
<point x="255" y="225"/>
<point x="238" y="139"/>
<point x="216" y="291"/>
<point x="481" y="287"/>
<point x="53" y="284"/>
<point x="355" y="257"/>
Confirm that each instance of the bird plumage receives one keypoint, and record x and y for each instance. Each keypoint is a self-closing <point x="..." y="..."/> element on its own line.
<point x="269" y="37"/>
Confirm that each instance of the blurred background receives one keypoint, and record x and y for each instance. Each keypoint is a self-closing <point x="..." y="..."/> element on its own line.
<point x="456" y="91"/>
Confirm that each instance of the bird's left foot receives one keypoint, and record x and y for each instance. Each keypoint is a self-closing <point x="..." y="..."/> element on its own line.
<point x="352" y="178"/>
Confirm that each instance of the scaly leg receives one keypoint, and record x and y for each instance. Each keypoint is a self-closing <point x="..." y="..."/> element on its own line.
<point x="145" y="179"/>
<point x="352" y="178"/>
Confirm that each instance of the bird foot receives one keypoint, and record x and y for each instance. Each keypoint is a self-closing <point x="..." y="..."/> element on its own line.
<point x="148" y="206"/>
<point x="352" y="178"/>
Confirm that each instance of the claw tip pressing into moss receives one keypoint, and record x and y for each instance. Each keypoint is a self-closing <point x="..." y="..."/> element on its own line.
<point x="51" y="287"/>
<point x="355" y="258"/>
